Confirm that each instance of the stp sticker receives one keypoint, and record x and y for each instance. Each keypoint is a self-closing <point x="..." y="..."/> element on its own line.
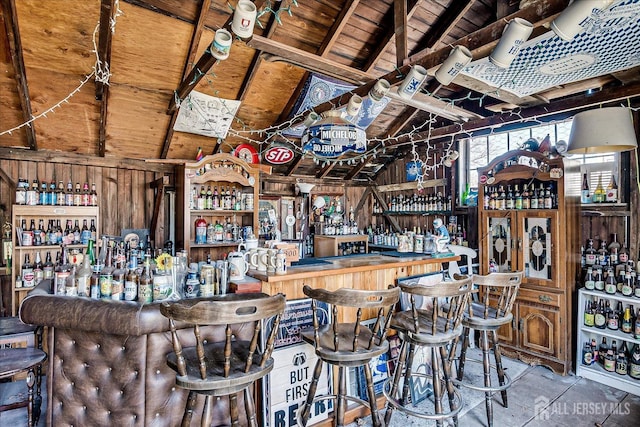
<point x="278" y="155"/>
<point x="483" y="179"/>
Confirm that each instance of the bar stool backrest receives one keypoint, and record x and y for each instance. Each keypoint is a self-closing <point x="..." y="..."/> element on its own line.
<point x="228" y="311"/>
<point x="449" y="301"/>
<point x="498" y="293"/>
<point x="382" y="302"/>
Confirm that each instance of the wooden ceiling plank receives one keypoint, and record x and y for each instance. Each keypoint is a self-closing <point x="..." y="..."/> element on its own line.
<point x="191" y="56"/>
<point x="445" y="23"/>
<point x="356" y="170"/>
<point x="295" y="165"/>
<point x="17" y="60"/>
<point x="400" y="31"/>
<point x="104" y="55"/>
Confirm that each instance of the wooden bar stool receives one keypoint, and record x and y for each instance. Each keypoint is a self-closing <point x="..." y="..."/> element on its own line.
<point x="16" y="360"/>
<point x="348" y="343"/>
<point x="497" y="294"/>
<point x="227" y="367"/>
<point x="435" y="323"/>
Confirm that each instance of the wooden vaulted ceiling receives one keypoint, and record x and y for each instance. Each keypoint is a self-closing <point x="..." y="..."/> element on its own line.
<point x="158" y="53"/>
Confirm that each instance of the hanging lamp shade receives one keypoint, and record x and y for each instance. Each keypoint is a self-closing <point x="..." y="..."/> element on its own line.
<point x="603" y="130"/>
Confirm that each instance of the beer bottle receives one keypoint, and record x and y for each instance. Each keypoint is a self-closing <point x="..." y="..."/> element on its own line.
<point x="611" y="195"/>
<point x="599" y="194"/>
<point x="627" y="285"/>
<point x="602" y="350"/>
<point x="93" y="195"/>
<point x="634" y="363"/>
<point x="76" y="232"/>
<point x="47" y="268"/>
<point x="93" y="231"/>
<point x="83" y="277"/>
<point x="621" y="360"/>
<point x="526" y="202"/>
<point x="636" y="326"/>
<point x="600" y="319"/>
<point x="145" y="288"/>
<point x="86" y="196"/>
<point x="68" y="195"/>
<point x="28" y="278"/>
<point x="587" y="354"/>
<point x="131" y="281"/>
<point x="599" y="280"/>
<point x="585" y="195"/>
<point x="117" y="281"/>
<point x="610" y="358"/>
<point x="38" y="272"/>
<point x="53" y="194"/>
<point x="60" y="196"/>
<point x="106" y="275"/>
<point x="627" y="325"/>
<point x="613" y="319"/>
<point x="590" y="254"/>
<point x="589" y="317"/>
<point x="594" y="348"/>
<point x="610" y="284"/>
<point x="77" y="196"/>
<point x="589" y="283"/>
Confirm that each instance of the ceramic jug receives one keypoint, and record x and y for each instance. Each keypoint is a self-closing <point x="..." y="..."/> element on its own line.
<point x="238" y="265"/>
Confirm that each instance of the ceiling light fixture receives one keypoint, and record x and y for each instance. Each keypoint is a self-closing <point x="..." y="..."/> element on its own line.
<point x="570" y="22"/>
<point x="459" y="58"/>
<point x="513" y="37"/>
<point x="603" y="130"/>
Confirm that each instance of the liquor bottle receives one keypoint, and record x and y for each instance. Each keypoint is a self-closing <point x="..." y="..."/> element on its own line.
<point x="589" y="282"/>
<point x="634" y="363"/>
<point x="486" y="199"/>
<point x="602" y="350"/>
<point x="598" y="279"/>
<point x="600" y="318"/>
<point x="541" y="194"/>
<point x="548" y="198"/>
<point x="518" y="198"/>
<point x="28" y="277"/>
<point x="589" y="316"/>
<point x="106" y="275"/>
<point x="83" y="278"/>
<point x="86" y="195"/>
<point x="533" y="197"/>
<point x="145" y="288"/>
<point x="215" y="198"/>
<point x="77" y="195"/>
<point x="621" y="360"/>
<point x="38" y="271"/>
<point x="599" y="193"/>
<point x="610" y="358"/>
<point x="510" y="201"/>
<point x="501" y="200"/>
<point x="219" y="232"/>
<point x="131" y="281"/>
<point x="93" y="195"/>
<point x="47" y="267"/>
<point x="611" y="195"/>
<point x="118" y="279"/>
<point x="526" y="201"/>
<point x="627" y="324"/>
<point x="68" y="195"/>
<point x="585" y="195"/>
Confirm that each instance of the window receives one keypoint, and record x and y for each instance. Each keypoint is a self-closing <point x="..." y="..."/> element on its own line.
<point x="483" y="149"/>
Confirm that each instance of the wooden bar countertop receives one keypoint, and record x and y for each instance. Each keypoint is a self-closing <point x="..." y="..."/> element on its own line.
<point x="349" y="264"/>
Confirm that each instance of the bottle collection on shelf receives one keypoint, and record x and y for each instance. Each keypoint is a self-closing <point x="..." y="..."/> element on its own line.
<point x="55" y="196"/>
<point x="416" y="240"/>
<point x="333" y="222"/>
<point x="623" y="360"/>
<point x="609" y="269"/>
<point x="227" y="232"/>
<point x="54" y="234"/>
<point x="417" y="203"/>
<point x="228" y="198"/>
<point x="600" y="194"/>
<point x="534" y="195"/>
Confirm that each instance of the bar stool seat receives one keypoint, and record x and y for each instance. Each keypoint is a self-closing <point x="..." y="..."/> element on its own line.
<point x="498" y="292"/>
<point x="16" y="360"/>
<point x="223" y="367"/>
<point x="347" y="343"/>
<point x="436" y="327"/>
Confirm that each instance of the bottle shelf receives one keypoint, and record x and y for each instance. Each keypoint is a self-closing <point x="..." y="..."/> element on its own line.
<point x="400" y="213"/>
<point x="214" y="245"/>
<point x="219" y="212"/>
<point x="617" y="296"/>
<point x="597" y="373"/>
<point x="613" y="333"/>
<point x="48" y="247"/>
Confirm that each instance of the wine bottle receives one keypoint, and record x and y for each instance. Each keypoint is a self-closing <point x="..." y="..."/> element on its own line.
<point x="585" y="195"/>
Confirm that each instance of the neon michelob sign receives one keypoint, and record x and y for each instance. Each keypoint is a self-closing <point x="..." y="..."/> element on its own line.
<point x="332" y="140"/>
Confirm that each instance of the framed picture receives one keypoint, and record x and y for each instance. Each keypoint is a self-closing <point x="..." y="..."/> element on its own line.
<point x="268" y="214"/>
<point x="413" y="170"/>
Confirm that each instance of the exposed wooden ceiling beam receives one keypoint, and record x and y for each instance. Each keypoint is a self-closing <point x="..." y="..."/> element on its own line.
<point x="104" y="54"/>
<point x="332" y="35"/>
<point x="400" y="31"/>
<point x="191" y="56"/>
<point x="17" y="60"/>
<point x="389" y="36"/>
<point x="445" y="23"/>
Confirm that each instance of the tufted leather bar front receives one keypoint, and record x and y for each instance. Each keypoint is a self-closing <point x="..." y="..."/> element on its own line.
<point x="107" y="362"/>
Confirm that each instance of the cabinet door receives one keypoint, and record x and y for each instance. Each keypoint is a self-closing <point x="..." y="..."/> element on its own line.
<point x="537" y="245"/>
<point x="539" y="328"/>
<point x="499" y="247"/>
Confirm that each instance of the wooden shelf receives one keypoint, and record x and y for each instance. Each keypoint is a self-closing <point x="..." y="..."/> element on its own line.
<point x="219" y="212"/>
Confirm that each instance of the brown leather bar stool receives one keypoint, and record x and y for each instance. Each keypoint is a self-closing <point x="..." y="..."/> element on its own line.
<point x="497" y="294"/>
<point x="348" y="343"/>
<point x="435" y="322"/>
<point x="223" y="368"/>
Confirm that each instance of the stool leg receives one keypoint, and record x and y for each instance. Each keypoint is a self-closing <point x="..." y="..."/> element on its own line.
<point x="372" y="396"/>
<point x="306" y="409"/>
<point x="250" y="408"/>
<point x="487" y="376"/>
<point x="207" y="412"/>
<point x="463" y="353"/>
<point x="407" y="376"/>
<point x="31" y="380"/>
<point x="437" y="389"/>
<point x="37" y="402"/>
<point x="233" y="410"/>
<point x="446" y="369"/>
<point x="341" y="402"/>
<point x="397" y="373"/>
<point x="500" y="369"/>
<point x="188" y="410"/>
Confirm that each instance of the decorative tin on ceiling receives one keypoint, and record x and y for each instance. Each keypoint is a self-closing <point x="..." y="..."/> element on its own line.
<point x="609" y="43"/>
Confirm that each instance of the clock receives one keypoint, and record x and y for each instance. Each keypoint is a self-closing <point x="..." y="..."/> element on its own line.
<point x="247" y="153"/>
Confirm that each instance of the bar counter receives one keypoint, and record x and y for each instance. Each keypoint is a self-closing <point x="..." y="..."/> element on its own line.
<point x="367" y="272"/>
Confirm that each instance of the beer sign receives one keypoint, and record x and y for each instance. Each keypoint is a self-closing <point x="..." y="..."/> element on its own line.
<point x="278" y="155"/>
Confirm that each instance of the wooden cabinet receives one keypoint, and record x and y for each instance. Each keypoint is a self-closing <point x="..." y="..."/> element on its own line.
<point x="544" y="243"/>
<point x="218" y="172"/>
<point x="324" y="246"/>
<point x="22" y="247"/>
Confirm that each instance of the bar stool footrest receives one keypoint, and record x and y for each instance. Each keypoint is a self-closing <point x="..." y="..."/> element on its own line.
<point x="333" y="397"/>
<point x="506" y="385"/>
<point x="402" y="408"/>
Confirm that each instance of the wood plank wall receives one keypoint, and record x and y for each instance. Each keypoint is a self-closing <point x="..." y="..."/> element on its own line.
<point x="126" y="199"/>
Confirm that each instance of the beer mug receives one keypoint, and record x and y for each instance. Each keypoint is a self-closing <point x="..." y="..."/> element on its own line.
<point x="262" y="262"/>
<point x="281" y="262"/>
<point x="238" y="265"/>
<point x="269" y="259"/>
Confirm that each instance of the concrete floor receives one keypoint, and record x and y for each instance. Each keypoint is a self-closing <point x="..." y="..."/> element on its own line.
<point x="537" y="397"/>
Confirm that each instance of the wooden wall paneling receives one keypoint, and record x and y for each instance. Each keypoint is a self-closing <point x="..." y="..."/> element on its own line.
<point x="137" y="199"/>
<point x="109" y="200"/>
<point x="124" y="211"/>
